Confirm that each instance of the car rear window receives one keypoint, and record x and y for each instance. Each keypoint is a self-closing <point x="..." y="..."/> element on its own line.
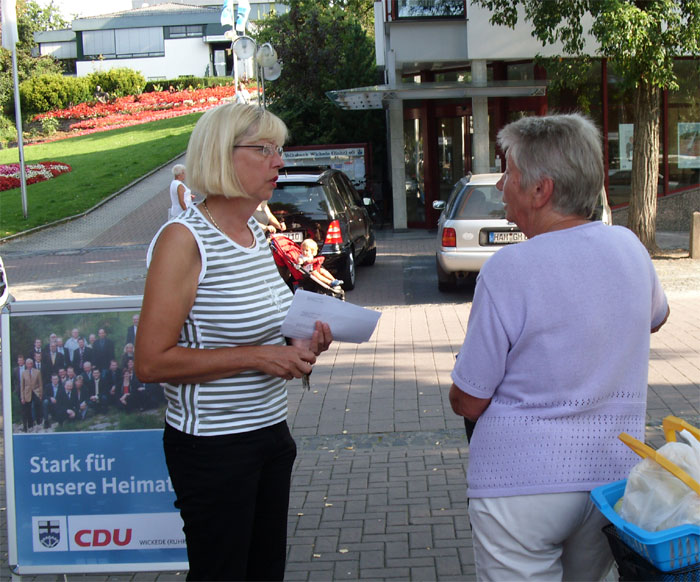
<point x="299" y="198"/>
<point x="479" y="202"/>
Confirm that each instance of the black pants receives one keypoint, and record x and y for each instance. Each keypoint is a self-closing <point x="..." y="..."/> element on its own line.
<point x="27" y="420"/>
<point x="233" y="495"/>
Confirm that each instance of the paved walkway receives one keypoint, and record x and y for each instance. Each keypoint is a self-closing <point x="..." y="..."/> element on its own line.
<point x="378" y="489"/>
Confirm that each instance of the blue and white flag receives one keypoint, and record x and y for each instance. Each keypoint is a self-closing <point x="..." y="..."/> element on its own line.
<point x="242" y="13"/>
<point x="226" y="13"/>
<point x="9" y="24"/>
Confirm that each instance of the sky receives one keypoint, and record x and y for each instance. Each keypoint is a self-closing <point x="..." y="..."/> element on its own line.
<point x="68" y="8"/>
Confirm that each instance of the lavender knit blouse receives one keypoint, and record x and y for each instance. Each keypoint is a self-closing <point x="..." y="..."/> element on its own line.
<point x="558" y="338"/>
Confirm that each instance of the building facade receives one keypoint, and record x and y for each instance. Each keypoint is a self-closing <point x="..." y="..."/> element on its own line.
<point x="453" y="80"/>
<point x="162" y="40"/>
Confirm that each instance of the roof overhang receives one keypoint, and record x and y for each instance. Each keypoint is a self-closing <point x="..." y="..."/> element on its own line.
<point x="378" y="96"/>
<point x="62" y="35"/>
<point x="163" y="15"/>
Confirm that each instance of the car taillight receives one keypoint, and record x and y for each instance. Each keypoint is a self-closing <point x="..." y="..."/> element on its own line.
<point x="333" y="235"/>
<point x="449" y="237"/>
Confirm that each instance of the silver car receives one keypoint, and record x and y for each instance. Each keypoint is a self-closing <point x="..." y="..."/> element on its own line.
<point x="473" y="226"/>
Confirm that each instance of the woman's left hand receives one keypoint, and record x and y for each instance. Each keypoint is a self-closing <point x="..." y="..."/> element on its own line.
<point x="320" y="340"/>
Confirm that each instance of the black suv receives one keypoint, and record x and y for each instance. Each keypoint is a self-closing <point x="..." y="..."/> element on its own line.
<point x="322" y="204"/>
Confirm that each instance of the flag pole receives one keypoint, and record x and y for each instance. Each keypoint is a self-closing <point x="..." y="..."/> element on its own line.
<point x="9" y="41"/>
<point x="20" y="140"/>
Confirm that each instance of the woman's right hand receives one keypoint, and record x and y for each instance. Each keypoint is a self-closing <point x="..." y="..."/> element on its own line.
<point x="285" y="362"/>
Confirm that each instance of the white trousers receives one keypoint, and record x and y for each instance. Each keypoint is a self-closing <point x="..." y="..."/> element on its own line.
<point x="555" y="536"/>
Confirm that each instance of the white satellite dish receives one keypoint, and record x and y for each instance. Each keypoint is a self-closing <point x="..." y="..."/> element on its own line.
<point x="272" y="72"/>
<point x="244" y="47"/>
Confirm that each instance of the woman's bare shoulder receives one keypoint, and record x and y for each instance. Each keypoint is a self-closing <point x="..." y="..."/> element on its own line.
<point x="176" y="239"/>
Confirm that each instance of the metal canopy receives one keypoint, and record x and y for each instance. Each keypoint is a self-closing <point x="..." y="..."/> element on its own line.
<point x="377" y="97"/>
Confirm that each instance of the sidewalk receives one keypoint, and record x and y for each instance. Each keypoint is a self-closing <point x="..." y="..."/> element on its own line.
<point x="378" y="489"/>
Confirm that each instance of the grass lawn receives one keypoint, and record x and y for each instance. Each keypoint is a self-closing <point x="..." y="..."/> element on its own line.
<point x="102" y="163"/>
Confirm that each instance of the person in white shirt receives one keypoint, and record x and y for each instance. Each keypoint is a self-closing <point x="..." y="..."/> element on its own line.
<point x="180" y="195"/>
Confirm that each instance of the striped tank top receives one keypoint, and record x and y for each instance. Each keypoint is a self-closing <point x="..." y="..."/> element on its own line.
<point x="241" y="301"/>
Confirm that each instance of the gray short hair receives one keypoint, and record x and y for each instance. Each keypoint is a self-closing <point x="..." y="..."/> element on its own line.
<point x="209" y="153"/>
<point x="565" y="148"/>
<point x="178" y="169"/>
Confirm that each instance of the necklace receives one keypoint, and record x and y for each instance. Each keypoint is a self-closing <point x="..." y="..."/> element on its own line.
<point x="221" y="230"/>
<point x="211" y="217"/>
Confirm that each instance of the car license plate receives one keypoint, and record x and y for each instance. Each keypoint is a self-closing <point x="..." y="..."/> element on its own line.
<point x="297" y="237"/>
<point x="505" y="238"/>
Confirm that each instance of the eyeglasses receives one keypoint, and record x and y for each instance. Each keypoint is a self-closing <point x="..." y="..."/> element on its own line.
<point x="266" y="149"/>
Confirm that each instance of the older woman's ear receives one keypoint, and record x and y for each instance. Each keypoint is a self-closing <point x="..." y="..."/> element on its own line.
<point x="543" y="193"/>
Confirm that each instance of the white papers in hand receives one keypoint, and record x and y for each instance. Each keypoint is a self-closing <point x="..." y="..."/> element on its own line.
<point x="348" y="322"/>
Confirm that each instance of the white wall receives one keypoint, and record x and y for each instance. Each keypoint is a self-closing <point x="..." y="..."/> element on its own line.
<point x="425" y="41"/>
<point x="486" y="41"/>
<point x="183" y="56"/>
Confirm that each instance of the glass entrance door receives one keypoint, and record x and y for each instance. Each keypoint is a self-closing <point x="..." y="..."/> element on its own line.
<point x="451" y="155"/>
<point x="415" y="178"/>
<point x="435" y="158"/>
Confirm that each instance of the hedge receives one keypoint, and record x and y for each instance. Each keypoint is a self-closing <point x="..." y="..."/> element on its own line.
<point x="117" y="82"/>
<point x="52" y="91"/>
<point x="185" y="81"/>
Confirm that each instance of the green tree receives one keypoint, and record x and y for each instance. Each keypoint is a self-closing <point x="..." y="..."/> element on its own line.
<point x="322" y="48"/>
<point x="363" y="10"/>
<point x="31" y="18"/>
<point x="642" y="38"/>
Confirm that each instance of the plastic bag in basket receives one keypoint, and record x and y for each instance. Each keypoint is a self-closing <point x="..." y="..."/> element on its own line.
<point x="655" y="499"/>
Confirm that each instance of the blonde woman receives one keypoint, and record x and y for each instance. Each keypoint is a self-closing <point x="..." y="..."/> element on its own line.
<point x="210" y="332"/>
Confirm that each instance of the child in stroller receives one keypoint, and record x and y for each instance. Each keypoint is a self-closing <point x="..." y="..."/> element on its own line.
<point x="292" y="266"/>
<point x="313" y="264"/>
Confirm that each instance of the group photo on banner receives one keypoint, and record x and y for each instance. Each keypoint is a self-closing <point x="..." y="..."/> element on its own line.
<point x="88" y="488"/>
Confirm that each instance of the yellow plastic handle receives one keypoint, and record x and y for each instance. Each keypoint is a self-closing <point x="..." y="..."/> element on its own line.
<point x="671" y="424"/>
<point x="645" y="451"/>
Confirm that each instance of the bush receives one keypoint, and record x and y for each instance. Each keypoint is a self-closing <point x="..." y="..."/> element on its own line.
<point x="117" y="82"/>
<point x="8" y="131"/>
<point x="52" y="91"/>
<point x="7" y="95"/>
<point x="49" y="125"/>
<point x="186" y="82"/>
<point x="26" y="67"/>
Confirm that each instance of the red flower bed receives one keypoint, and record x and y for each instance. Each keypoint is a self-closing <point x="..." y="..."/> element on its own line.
<point x="10" y="173"/>
<point x="133" y="110"/>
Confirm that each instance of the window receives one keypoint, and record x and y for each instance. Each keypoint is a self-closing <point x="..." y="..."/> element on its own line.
<point x="463" y="76"/>
<point x="98" y="42"/>
<point x="300" y="198"/>
<point x="59" y="50"/>
<point x="124" y="43"/>
<point x="480" y="202"/>
<point x="430" y="8"/>
<point x="351" y="195"/>
<point x="139" y="41"/>
<point x="185" y="31"/>
<point x="620" y="137"/>
<point x="684" y="126"/>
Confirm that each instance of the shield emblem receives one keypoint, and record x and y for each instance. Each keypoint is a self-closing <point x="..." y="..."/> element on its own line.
<point x="49" y="533"/>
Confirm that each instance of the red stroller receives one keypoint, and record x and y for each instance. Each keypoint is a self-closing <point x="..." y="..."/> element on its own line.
<point x="286" y="254"/>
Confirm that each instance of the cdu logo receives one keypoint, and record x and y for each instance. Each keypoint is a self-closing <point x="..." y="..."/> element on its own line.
<point x="49" y="533"/>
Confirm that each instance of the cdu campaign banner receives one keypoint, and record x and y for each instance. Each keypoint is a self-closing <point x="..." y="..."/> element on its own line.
<point x="88" y="489"/>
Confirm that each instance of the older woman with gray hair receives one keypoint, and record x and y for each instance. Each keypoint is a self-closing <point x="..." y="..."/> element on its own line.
<point x="180" y="195"/>
<point x="554" y="365"/>
<point x="210" y="332"/>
